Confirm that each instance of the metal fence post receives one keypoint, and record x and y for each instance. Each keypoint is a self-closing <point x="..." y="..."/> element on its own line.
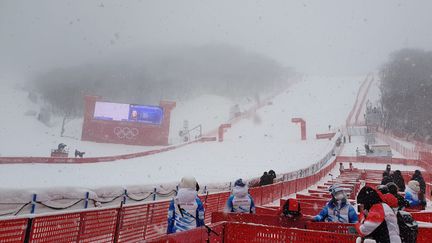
<point x="86" y="200"/>
<point x="33" y="203"/>
<point x="125" y="196"/>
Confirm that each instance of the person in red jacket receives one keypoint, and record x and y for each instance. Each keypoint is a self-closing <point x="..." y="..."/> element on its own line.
<point x="377" y="221"/>
<point x="387" y="197"/>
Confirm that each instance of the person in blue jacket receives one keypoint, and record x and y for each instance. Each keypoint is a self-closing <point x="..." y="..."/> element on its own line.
<point x="240" y="201"/>
<point x="186" y="210"/>
<point x="413" y="194"/>
<point x="338" y="209"/>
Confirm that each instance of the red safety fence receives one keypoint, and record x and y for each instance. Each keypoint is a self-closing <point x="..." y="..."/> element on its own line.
<point x="140" y="222"/>
<point x="238" y="232"/>
<point x="332" y="227"/>
<point x="398" y="146"/>
<point x="301" y="196"/>
<point x="311" y="211"/>
<point x="214" y="203"/>
<point x="241" y="232"/>
<point x="13" y="230"/>
<point x="379" y="160"/>
<point x="311" y="202"/>
<point x="424" y="233"/>
<point x="377" y="174"/>
<point x="267" y="194"/>
<point x="133" y="223"/>
<point x="356" y="103"/>
<point x="274" y="220"/>
<point x="89" y="226"/>
<point x="147" y="221"/>
<point x="419" y="144"/>
<point x="198" y="235"/>
<point x="57" y="160"/>
<point x="362" y="102"/>
<point x="157" y="219"/>
<point x="267" y="211"/>
<point x="304" y="223"/>
<point x="256" y="194"/>
<point x="414" y="209"/>
<point x="130" y="223"/>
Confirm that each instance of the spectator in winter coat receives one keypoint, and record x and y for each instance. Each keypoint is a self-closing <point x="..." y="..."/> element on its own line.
<point x="386" y="178"/>
<point x="240" y="201"/>
<point x="412" y="193"/>
<point x="417" y="176"/>
<point x="272" y="174"/>
<point x="399" y="180"/>
<point x="387" y="197"/>
<point x="186" y="210"/>
<point x="393" y="189"/>
<point x="264" y="180"/>
<point x="338" y="209"/>
<point x="388" y="169"/>
<point x="377" y="221"/>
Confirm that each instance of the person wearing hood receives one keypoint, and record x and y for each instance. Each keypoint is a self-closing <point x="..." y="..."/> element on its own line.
<point x="272" y="174"/>
<point x="393" y="189"/>
<point x="377" y="221"/>
<point x="417" y="176"/>
<point x="240" y="201"/>
<point x="386" y="178"/>
<point x="388" y="169"/>
<point x="387" y="197"/>
<point x="338" y="209"/>
<point x="186" y="210"/>
<point x="412" y="194"/>
<point x="399" y="180"/>
<point x="265" y="179"/>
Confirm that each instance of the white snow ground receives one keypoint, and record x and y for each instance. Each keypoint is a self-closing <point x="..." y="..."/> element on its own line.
<point x="266" y="141"/>
<point x="22" y="135"/>
<point x="359" y="142"/>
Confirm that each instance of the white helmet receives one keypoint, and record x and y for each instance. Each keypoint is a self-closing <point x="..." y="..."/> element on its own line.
<point x="188" y="182"/>
<point x="337" y="192"/>
<point x="414" y="185"/>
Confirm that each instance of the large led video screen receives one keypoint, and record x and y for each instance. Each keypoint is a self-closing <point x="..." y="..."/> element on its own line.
<point x="128" y="113"/>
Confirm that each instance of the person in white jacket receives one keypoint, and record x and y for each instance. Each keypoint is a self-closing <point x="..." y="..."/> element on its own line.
<point x="377" y="221"/>
<point x="240" y="201"/>
<point x="186" y="210"/>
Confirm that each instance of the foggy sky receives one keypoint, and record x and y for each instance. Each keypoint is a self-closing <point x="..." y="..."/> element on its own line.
<point x="316" y="37"/>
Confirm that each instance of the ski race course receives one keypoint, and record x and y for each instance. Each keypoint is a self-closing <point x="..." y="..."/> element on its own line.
<point x="263" y="140"/>
<point x="121" y="193"/>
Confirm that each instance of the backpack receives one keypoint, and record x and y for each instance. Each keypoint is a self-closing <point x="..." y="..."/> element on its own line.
<point x="291" y="207"/>
<point x="408" y="227"/>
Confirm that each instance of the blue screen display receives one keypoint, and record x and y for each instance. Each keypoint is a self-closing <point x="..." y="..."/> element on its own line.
<point x="129" y="113"/>
<point x="146" y="114"/>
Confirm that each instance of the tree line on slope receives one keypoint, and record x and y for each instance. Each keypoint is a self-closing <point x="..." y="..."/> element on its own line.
<point x="406" y="93"/>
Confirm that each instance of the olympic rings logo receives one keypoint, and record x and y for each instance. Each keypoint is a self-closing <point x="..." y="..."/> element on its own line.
<point x="126" y="132"/>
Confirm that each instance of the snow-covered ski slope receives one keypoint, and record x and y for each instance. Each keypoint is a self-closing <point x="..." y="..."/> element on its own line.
<point x="266" y="141"/>
<point x="23" y="135"/>
<point x="370" y="93"/>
